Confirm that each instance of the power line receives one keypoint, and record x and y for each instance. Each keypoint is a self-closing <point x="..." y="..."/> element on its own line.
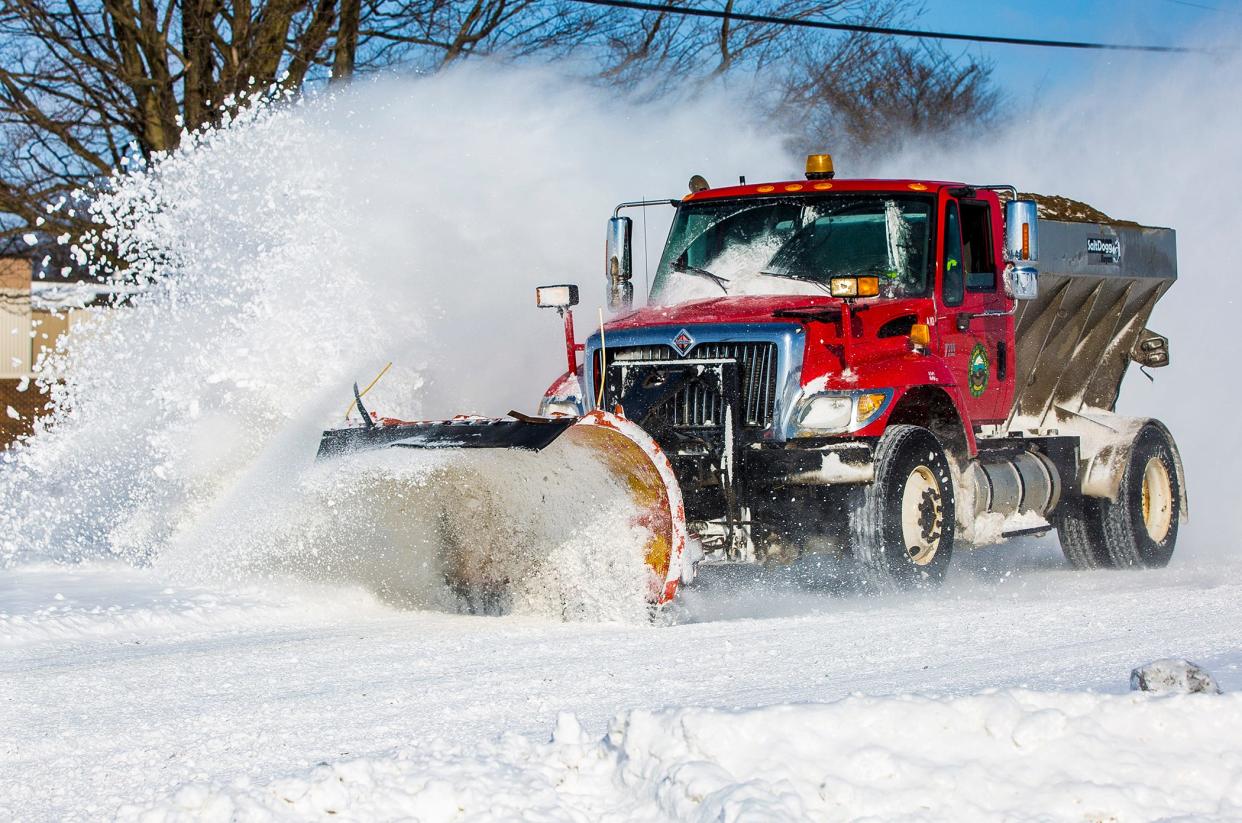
<point x="1189" y="4"/>
<point x="1193" y="5"/>
<point x="691" y="11"/>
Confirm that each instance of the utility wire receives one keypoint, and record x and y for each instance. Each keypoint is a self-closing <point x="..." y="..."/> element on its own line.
<point x="1189" y="4"/>
<point x="691" y="11"/>
<point x="1192" y="5"/>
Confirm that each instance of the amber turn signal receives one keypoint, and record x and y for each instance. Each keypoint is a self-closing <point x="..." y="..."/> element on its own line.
<point x="920" y="334"/>
<point x="868" y="405"/>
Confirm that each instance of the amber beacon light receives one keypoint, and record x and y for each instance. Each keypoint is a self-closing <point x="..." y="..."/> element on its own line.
<point x="819" y="167"/>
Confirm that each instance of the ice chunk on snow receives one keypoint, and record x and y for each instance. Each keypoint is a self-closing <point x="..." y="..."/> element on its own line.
<point x="1173" y="675"/>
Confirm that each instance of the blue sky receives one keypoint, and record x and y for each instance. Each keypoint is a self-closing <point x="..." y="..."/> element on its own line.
<point x="1023" y="71"/>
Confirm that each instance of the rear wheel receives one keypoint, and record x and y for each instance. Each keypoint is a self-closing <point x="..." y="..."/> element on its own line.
<point x="902" y="527"/>
<point x="1140" y="527"/>
<point x="1081" y="534"/>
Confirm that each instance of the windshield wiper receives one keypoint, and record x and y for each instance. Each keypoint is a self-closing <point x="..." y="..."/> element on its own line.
<point x="822" y="314"/>
<point x="823" y="286"/>
<point x="722" y="282"/>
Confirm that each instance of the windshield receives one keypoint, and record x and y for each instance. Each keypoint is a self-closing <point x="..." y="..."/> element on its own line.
<point x="796" y="245"/>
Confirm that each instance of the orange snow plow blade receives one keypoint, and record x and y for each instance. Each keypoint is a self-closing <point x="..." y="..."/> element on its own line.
<point x="598" y="482"/>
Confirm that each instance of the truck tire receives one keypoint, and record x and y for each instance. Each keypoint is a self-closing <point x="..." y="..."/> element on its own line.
<point x="1140" y="527"/>
<point x="1081" y="534"/>
<point x="901" y="527"/>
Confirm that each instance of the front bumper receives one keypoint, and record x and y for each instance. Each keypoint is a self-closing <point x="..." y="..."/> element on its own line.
<point x="808" y="462"/>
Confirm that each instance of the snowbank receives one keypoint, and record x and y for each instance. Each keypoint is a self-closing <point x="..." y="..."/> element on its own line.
<point x="999" y="755"/>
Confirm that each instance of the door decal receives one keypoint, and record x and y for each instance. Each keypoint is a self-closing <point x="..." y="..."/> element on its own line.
<point x="978" y="370"/>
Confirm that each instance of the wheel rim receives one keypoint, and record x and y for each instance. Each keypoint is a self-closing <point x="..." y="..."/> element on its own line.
<point x="921" y="516"/>
<point x="1157" y="500"/>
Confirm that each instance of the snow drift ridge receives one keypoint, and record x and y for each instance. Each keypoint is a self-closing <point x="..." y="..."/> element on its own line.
<point x="1012" y="755"/>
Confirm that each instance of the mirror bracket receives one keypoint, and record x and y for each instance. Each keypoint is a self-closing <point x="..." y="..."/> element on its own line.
<point x="619" y="254"/>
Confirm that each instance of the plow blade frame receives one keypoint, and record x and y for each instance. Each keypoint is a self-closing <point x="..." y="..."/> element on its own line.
<point x="469" y="433"/>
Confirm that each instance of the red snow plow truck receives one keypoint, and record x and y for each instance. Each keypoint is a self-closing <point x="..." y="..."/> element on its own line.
<point x="873" y="369"/>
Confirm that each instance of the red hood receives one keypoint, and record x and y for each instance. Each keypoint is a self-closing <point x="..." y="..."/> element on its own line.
<point x="723" y="309"/>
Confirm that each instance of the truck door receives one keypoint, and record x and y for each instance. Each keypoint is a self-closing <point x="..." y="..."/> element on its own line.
<point x="983" y="261"/>
<point x="973" y="324"/>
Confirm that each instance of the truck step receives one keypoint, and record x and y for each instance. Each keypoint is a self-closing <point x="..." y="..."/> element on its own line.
<point x="1034" y="531"/>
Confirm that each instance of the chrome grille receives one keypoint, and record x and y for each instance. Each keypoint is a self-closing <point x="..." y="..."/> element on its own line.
<point x="696" y="406"/>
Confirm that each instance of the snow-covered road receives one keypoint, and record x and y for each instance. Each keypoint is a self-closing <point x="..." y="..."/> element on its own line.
<point x="134" y="692"/>
<point x="120" y="689"/>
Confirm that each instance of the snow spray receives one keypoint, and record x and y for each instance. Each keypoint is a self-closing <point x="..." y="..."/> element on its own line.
<point x="299" y="248"/>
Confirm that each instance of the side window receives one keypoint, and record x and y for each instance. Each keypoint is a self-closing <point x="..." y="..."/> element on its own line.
<point x="953" y="289"/>
<point x="978" y="256"/>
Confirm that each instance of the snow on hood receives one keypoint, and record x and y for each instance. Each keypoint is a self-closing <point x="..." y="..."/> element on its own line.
<point x="723" y="309"/>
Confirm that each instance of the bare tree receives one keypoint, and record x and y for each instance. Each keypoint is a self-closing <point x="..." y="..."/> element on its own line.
<point x="877" y="94"/>
<point x="661" y="49"/>
<point x="430" y="34"/>
<point x="86" y="83"/>
<point x="854" y="90"/>
<point x="81" y="83"/>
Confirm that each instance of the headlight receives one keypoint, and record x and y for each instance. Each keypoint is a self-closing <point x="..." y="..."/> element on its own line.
<point x="826" y="413"/>
<point x="840" y="412"/>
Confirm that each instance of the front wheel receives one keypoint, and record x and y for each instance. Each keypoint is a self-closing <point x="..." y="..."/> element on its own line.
<point x="902" y="526"/>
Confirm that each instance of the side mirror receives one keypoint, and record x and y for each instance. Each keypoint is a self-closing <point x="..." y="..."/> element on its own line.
<point x="1021" y="282"/>
<point x="1021" y="231"/>
<point x="1021" y="278"/>
<point x="556" y="297"/>
<point x="619" y="264"/>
